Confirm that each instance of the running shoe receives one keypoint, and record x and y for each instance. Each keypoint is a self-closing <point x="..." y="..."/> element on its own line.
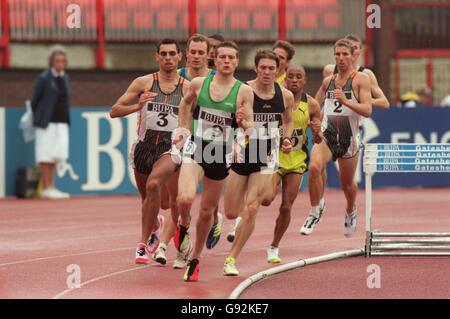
<point x="350" y="224"/>
<point x="229" y="267"/>
<point x="181" y="238"/>
<point x="272" y="255"/>
<point x="192" y="270"/>
<point x="311" y="221"/>
<point x="232" y="233"/>
<point x="141" y="254"/>
<point x="214" y="233"/>
<point x="160" y="255"/>
<point x="182" y="257"/>
<point x="153" y="239"/>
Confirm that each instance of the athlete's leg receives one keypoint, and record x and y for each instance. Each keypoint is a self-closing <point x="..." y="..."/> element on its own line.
<point x="272" y="191"/>
<point x="255" y="191"/>
<point x="291" y="184"/>
<point x="141" y="180"/>
<point x="165" y="200"/>
<point x="320" y="155"/>
<point x="234" y="194"/>
<point x="171" y="221"/>
<point x="212" y="191"/>
<point x="347" y="169"/>
<point x="162" y="170"/>
<point x="190" y="175"/>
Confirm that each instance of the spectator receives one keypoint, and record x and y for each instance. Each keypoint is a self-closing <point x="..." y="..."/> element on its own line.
<point x="446" y="101"/>
<point x="50" y="105"/>
<point x="423" y="96"/>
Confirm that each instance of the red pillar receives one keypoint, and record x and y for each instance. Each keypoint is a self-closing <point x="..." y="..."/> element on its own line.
<point x="369" y="39"/>
<point x="282" y="19"/>
<point x="4" y="40"/>
<point x="192" y="17"/>
<point x="100" y="52"/>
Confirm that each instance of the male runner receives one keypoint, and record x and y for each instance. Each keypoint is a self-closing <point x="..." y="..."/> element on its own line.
<point x="294" y="164"/>
<point x="379" y="100"/>
<point x="250" y="179"/>
<point x="213" y="40"/>
<point x="159" y="95"/>
<point x="346" y="97"/>
<point x="285" y="52"/>
<point x="196" y="54"/>
<point x="207" y="154"/>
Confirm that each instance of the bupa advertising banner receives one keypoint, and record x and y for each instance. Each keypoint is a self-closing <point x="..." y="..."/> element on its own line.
<point x="99" y="147"/>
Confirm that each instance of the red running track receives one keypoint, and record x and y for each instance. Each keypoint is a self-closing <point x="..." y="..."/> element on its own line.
<point x="40" y="238"/>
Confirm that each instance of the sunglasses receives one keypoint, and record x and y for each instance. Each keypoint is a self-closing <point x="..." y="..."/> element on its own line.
<point x="165" y="53"/>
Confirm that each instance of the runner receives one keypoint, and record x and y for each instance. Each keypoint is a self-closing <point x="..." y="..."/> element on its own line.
<point x="379" y="100"/>
<point x="159" y="96"/>
<point x="285" y="52"/>
<point x="346" y="98"/>
<point x="196" y="55"/>
<point x="207" y="154"/>
<point x="251" y="178"/>
<point x="294" y="164"/>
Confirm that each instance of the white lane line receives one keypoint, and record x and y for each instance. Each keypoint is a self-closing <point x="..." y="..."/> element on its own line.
<point x="26" y="261"/>
<point x="65" y="292"/>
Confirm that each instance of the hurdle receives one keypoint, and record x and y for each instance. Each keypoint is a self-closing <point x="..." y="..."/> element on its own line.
<point x="404" y="158"/>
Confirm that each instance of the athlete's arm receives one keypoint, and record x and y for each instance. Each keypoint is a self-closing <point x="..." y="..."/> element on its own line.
<point x="244" y="112"/>
<point x="287" y="120"/>
<point x="187" y="103"/>
<point x="314" y="119"/>
<point x="320" y="95"/>
<point x="126" y="103"/>
<point x="364" y="107"/>
<point x="328" y="70"/>
<point x="379" y="100"/>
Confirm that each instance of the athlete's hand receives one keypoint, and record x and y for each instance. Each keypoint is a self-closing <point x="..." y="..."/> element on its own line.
<point x="286" y="146"/>
<point x="340" y="96"/>
<point x="145" y="97"/>
<point x="314" y="125"/>
<point x="179" y="137"/>
<point x="237" y="156"/>
<point x="240" y="118"/>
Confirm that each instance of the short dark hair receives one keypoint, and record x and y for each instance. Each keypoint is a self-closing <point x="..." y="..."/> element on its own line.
<point x="227" y="44"/>
<point x="286" y="46"/>
<point x="217" y="37"/>
<point x="345" y="43"/>
<point x="266" y="54"/>
<point x="168" y="41"/>
<point x="354" y="38"/>
<point x="197" y="37"/>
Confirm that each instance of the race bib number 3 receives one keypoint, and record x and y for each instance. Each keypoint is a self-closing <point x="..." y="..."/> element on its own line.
<point x="162" y="117"/>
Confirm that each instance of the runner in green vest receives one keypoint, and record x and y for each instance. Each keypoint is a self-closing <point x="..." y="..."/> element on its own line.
<point x="205" y="135"/>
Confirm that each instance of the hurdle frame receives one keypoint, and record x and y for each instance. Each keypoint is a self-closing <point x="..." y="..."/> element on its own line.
<point x="403" y="158"/>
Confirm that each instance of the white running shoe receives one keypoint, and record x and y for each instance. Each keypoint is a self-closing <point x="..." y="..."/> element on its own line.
<point x="53" y="193"/>
<point x="160" y="255"/>
<point x="153" y="239"/>
<point x="232" y="233"/>
<point x="229" y="267"/>
<point x="350" y="224"/>
<point x="309" y="224"/>
<point x="183" y="257"/>
<point x="141" y="254"/>
<point x="272" y="255"/>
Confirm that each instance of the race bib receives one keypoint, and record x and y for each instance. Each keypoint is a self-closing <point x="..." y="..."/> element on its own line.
<point x="266" y="125"/>
<point x="162" y="117"/>
<point x="213" y="125"/>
